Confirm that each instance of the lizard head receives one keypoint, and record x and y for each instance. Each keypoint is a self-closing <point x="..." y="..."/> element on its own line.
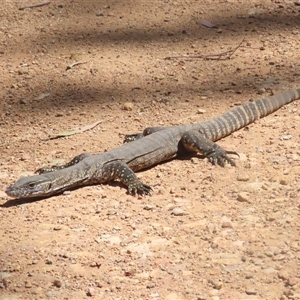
<point x="31" y="186"/>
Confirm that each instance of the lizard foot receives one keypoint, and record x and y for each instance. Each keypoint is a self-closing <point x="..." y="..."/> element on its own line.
<point x="132" y="137"/>
<point x="44" y="170"/>
<point x="139" y="188"/>
<point x="220" y="157"/>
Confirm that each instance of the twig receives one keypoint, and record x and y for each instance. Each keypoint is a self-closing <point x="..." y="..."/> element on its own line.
<point x="35" y="5"/>
<point x="219" y="56"/>
<point x="72" y="131"/>
<point x="75" y="64"/>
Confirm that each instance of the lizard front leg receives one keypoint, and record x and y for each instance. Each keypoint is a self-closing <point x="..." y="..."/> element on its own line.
<point x="120" y="170"/>
<point x="195" y="141"/>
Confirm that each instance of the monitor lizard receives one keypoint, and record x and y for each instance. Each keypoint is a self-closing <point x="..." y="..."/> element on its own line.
<point x="153" y="146"/>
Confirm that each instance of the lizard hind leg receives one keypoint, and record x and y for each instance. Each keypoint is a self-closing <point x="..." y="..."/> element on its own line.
<point x="72" y="162"/>
<point x="136" y="136"/>
<point x="196" y="142"/>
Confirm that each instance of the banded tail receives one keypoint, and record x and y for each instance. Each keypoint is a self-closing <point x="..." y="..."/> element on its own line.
<point x="247" y="113"/>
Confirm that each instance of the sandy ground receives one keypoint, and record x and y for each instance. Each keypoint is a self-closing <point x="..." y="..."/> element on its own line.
<point x="236" y="235"/>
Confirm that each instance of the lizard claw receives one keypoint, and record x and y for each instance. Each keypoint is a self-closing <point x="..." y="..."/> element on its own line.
<point x="139" y="188"/>
<point x="220" y="158"/>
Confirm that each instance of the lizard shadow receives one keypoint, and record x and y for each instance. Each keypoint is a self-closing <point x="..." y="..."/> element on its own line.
<point x="20" y="201"/>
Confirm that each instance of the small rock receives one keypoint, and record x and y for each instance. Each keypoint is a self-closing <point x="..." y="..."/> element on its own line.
<point x="48" y="261"/>
<point x="57" y="283"/>
<point x="269" y="253"/>
<point x="226" y="225"/>
<point x="177" y="211"/>
<point x="283" y="181"/>
<point x="218" y="285"/>
<point x="283" y="275"/>
<point x="150" y="285"/>
<point x="251" y="292"/>
<point x="287" y="137"/>
<point x="25" y="157"/>
<point x="271" y="217"/>
<point x="91" y="292"/>
<point x="172" y="191"/>
<point x="261" y="91"/>
<point x="195" y="160"/>
<point x="292" y="281"/>
<point x="242" y="177"/>
<point x="201" y="111"/>
<point x="243" y="197"/>
<point x="128" y="106"/>
<point x="148" y="207"/>
<point x="112" y="212"/>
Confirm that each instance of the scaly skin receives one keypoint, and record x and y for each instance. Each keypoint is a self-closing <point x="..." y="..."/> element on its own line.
<point x="155" y="145"/>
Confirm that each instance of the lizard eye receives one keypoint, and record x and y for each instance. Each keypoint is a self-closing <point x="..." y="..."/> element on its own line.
<point x="31" y="185"/>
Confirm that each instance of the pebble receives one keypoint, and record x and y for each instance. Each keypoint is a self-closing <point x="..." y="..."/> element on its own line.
<point x="287" y="137"/>
<point x="261" y="91"/>
<point x="57" y="283"/>
<point x="128" y="106"/>
<point x="91" y="292"/>
<point x="243" y="197"/>
<point x="251" y="292"/>
<point x="148" y="207"/>
<point x="283" y="275"/>
<point x="150" y="285"/>
<point x="195" y="160"/>
<point x="218" y="285"/>
<point x="177" y="211"/>
<point x="242" y="177"/>
<point x="292" y="281"/>
<point x="271" y="217"/>
<point x="48" y="261"/>
<point x="226" y="225"/>
<point x="25" y="157"/>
